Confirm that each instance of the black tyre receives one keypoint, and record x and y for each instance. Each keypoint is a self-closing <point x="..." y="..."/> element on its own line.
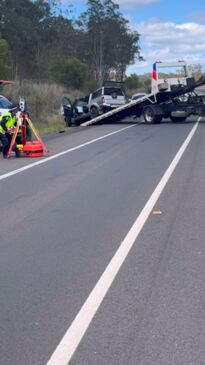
<point x="94" y="112"/>
<point x="177" y="119"/>
<point x="150" y="117"/>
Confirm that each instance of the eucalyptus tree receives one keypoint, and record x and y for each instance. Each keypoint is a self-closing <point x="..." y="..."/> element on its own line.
<point x="4" y="60"/>
<point x="19" y="26"/>
<point x="109" y="44"/>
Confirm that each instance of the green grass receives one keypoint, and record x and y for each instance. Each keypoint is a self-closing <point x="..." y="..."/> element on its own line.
<point x="43" y="101"/>
<point x="44" y="129"/>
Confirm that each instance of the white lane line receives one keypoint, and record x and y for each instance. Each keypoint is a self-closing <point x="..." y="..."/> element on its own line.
<point x="69" y="343"/>
<point x="40" y="162"/>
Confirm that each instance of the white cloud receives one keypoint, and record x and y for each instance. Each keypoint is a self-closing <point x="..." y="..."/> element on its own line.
<point x="119" y="2"/>
<point x="168" y="41"/>
<point x="134" y="3"/>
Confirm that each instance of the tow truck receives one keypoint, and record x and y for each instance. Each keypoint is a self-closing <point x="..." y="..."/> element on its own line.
<point x="171" y="97"/>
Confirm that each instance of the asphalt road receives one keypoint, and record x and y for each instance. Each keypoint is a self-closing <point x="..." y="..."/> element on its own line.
<point x="63" y="220"/>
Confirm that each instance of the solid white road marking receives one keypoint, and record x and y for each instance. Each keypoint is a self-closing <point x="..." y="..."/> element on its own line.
<point x="40" y="162"/>
<point x="69" y="343"/>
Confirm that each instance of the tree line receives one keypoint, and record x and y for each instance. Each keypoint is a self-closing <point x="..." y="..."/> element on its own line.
<point x="38" y="41"/>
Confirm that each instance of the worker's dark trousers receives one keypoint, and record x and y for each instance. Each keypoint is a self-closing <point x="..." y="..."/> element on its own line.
<point x="5" y="140"/>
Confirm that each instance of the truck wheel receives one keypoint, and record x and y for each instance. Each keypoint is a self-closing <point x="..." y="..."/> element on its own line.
<point x="94" y="112"/>
<point x="150" y="117"/>
<point x="177" y="119"/>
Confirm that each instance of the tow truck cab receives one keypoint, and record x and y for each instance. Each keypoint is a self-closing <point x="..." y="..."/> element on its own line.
<point x="174" y="74"/>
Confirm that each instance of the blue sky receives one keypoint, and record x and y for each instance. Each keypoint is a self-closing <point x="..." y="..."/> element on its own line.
<point x="170" y="29"/>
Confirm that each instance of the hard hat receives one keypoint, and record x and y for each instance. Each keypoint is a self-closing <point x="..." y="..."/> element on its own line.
<point x="14" y="108"/>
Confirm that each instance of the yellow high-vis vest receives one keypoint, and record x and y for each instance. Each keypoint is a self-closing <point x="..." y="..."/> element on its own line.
<point x="10" y="122"/>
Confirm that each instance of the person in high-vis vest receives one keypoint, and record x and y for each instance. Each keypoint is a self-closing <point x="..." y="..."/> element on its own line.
<point x="8" y="120"/>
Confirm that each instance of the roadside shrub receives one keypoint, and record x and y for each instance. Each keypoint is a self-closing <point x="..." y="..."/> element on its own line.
<point x="43" y="99"/>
